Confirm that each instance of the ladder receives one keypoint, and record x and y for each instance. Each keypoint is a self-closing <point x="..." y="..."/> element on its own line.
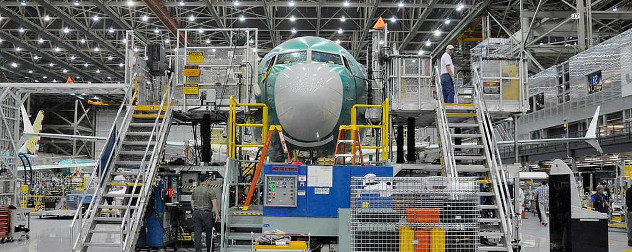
<point x="130" y="160"/>
<point x="468" y="148"/>
<point x="356" y="146"/>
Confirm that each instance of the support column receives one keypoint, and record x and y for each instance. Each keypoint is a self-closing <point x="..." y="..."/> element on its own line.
<point x="581" y="26"/>
<point x="410" y="141"/>
<point x="399" y="141"/>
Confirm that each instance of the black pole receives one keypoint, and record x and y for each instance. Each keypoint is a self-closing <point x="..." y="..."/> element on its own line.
<point x="399" y="141"/>
<point x="410" y="141"/>
<point x="205" y="133"/>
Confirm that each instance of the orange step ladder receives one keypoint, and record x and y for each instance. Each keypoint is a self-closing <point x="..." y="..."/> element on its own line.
<point x="354" y="141"/>
<point x="264" y="152"/>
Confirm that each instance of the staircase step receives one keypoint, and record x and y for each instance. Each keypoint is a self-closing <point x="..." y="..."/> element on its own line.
<point x="120" y="195"/>
<point x="151" y="116"/>
<point x="471" y="168"/>
<point x="135" y="153"/>
<point x="139" y="143"/>
<point x="469" y="146"/>
<point x="125" y="173"/>
<point x="126" y="163"/>
<point x="239" y="236"/>
<point x="140" y="133"/>
<point x="141" y="124"/>
<point x="461" y="114"/>
<point x="115" y="207"/>
<point x="465" y="135"/>
<point x="488" y="220"/>
<point x="486" y="194"/>
<point x="462" y="125"/>
<point x="107" y="231"/>
<point x="489" y="207"/>
<point x="102" y="244"/>
<point x="245" y="225"/>
<point x="493" y="234"/>
<point x="109" y="219"/>
<point x="469" y="158"/>
<point x="491" y="248"/>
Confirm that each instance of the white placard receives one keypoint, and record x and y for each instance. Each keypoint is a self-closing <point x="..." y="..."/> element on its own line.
<point x="626" y="76"/>
<point x="321" y="190"/>
<point x="320" y="176"/>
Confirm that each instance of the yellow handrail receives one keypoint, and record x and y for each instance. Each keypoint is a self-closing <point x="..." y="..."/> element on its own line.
<point x="232" y="125"/>
<point x="384" y="127"/>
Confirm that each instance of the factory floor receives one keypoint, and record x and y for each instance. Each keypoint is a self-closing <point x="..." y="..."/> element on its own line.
<point x="53" y="235"/>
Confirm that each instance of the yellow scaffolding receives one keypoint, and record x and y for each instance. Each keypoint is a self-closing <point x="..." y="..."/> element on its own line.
<point x="383" y="127"/>
<point x="232" y="125"/>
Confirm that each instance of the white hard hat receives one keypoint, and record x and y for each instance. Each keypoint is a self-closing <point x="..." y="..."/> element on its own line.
<point x="449" y="47"/>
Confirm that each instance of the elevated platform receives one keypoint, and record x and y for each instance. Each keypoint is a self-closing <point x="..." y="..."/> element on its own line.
<point x="65" y="88"/>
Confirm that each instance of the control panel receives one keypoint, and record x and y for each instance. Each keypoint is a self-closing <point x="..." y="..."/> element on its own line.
<point x="280" y="190"/>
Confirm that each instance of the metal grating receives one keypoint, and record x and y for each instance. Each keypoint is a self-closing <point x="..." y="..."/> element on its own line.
<point x="414" y="214"/>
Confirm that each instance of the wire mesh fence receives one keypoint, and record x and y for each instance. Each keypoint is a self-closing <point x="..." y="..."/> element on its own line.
<point x="414" y="214"/>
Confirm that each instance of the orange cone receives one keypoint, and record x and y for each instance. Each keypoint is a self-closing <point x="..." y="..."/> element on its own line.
<point x="69" y="80"/>
<point x="379" y="25"/>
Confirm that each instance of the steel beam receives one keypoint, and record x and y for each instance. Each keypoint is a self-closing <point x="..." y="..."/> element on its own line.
<point x="165" y="17"/>
<point x="28" y="24"/>
<point x="218" y="20"/>
<point x="366" y="28"/>
<point x="23" y="61"/>
<point x="270" y="23"/>
<point x="458" y="29"/>
<point x="81" y="28"/>
<point x="418" y="23"/>
<point x="116" y="18"/>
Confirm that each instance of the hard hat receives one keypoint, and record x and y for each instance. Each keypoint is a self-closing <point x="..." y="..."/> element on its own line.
<point x="449" y="47"/>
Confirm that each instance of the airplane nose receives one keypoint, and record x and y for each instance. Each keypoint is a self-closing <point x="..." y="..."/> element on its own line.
<point x="308" y="99"/>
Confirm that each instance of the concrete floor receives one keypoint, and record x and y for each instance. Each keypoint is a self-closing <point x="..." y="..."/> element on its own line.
<point x="53" y="235"/>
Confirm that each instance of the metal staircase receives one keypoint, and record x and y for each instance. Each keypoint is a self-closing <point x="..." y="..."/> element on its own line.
<point x="469" y="148"/>
<point x="130" y="160"/>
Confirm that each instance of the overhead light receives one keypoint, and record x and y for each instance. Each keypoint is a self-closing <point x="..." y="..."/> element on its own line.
<point x="66" y="30"/>
<point x="381" y="42"/>
<point x="254" y="50"/>
<point x="98" y="71"/>
<point x="293" y="31"/>
<point x="111" y="30"/>
<point x="144" y="18"/>
<point x="83" y="41"/>
<point x="146" y="58"/>
<point x="18" y="49"/>
<point x="337" y="41"/>
<point x="400" y="4"/>
<point x="447" y="21"/>
<point x="47" y="18"/>
<point x="110" y="57"/>
<point x="242" y="18"/>
<point x="459" y="7"/>
<point x="191" y="18"/>
<point x="30" y="71"/>
<point x="236" y="3"/>
<point x="96" y="49"/>
<point x="340" y="31"/>
<point x="57" y="49"/>
<point x="156" y="31"/>
<point x="181" y="3"/>
<point x="95" y="18"/>
<point x="346" y="3"/>
<point x="615" y="8"/>
<point x="109" y="77"/>
<point x="44" y="77"/>
<point x="65" y="70"/>
<point x="121" y="65"/>
<point x="35" y="57"/>
<point x="343" y="18"/>
<point x="54" y="80"/>
<point x="130" y="3"/>
<point x="393" y="19"/>
<point x="167" y="41"/>
<point x="420" y="52"/>
<point x="124" y="41"/>
<point x="85" y="64"/>
<point x="23" y="2"/>
<point x="201" y="31"/>
<point x="21" y="30"/>
<point x="214" y="50"/>
<point x="72" y="57"/>
<point x="208" y="41"/>
<point x="251" y="41"/>
<point x="95" y="97"/>
<point x="76" y="3"/>
<point x="136" y="49"/>
<point x="428" y="43"/>
<point x="291" y="3"/>
<point x="51" y="64"/>
<point x="437" y="32"/>
<point x="292" y="18"/>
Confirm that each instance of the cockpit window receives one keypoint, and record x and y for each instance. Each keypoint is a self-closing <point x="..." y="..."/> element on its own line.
<point x="328" y="58"/>
<point x="288" y="58"/>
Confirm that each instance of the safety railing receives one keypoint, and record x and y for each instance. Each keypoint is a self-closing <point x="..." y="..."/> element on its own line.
<point x="494" y="160"/>
<point x="102" y="165"/>
<point x="383" y="127"/>
<point x="147" y="172"/>
<point x="233" y="105"/>
<point x="230" y="179"/>
<point x="447" y="149"/>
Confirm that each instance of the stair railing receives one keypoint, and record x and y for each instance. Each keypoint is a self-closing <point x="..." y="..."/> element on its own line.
<point x="447" y="149"/>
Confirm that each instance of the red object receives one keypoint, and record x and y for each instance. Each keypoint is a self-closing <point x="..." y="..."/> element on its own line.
<point x="5" y="217"/>
<point x="423" y="241"/>
<point x="170" y="192"/>
<point x="422" y="215"/>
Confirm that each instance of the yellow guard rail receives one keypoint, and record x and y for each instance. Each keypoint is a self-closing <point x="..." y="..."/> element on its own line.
<point x="232" y="125"/>
<point x="384" y="127"/>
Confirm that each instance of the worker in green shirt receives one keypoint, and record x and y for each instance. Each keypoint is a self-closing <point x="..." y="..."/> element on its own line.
<point x="205" y="213"/>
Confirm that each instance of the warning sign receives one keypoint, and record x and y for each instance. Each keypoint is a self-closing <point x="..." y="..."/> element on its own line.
<point x="191" y="71"/>
<point x="195" y="57"/>
<point x="191" y="89"/>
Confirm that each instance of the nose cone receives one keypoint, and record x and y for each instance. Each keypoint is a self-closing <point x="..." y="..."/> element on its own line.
<point x="308" y="99"/>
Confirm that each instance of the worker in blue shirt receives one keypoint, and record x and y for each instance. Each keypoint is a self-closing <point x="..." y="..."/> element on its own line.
<point x="599" y="201"/>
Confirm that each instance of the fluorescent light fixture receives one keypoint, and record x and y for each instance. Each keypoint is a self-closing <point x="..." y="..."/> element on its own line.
<point x="393" y="19"/>
<point x="66" y="30"/>
<point x="156" y="31"/>
<point x="130" y="3"/>
<point x="21" y="30"/>
<point x="76" y="3"/>
<point x="338" y="41"/>
<point x="181" y="3"/>
<point x="292" y="18"/>
<point x="111" y="30"/>
<point x="110" y="58"/>
<point x="51" y="64"/>
<point x="35" y="57"/>
<point x="236" y="3"/>
<point x="121" y="65"/>
<point x="144" y="18"/>
<point x="85" y="64"/>
<point x="98" y="71"/>
<point x="191" y="18"/>
<point x="428" y="43"/>
<point x="30" y="71"/>
<point x="400" y="4"/>
<point x="293" y="31"/>
<point x="96" y="49"/>
<point x="167" y="41"/>
<point x="41" y="40"/>
<point x="44" y="77"/>
<point x="615" y="8"/>
<point x="346" y="3"/>
<point x="381" y="42"/>
<point x="65" y="70"/>
<point x="47" y="18"/>
<point x="340" y="31"/>
<point x="18" y="49"/>
<point x="291" y="3"/>
<point x="420" y="52"/>
<point x="208" y="41"/>
<point x="72" y="57"/>
<point x="124" y="41"/>
<point x="57" y="49"/>
<point x="343" y="18"/>
<point x="459" y="7"/>
<point x="437" y="32"/>
<point x="201" y="31"/>
<point x="447" y="21"/>
<point x="83" y="41"/>
<point x="95" y="18"/>
<point x="242" y="18"/>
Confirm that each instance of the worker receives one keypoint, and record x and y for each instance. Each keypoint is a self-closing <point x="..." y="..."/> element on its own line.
<point x="543" y="202"/>
<point x="447" y="75"/>
<point x="205" y="213"/>
<point x="628" y="213"/>
<point x="599" y="201"/>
